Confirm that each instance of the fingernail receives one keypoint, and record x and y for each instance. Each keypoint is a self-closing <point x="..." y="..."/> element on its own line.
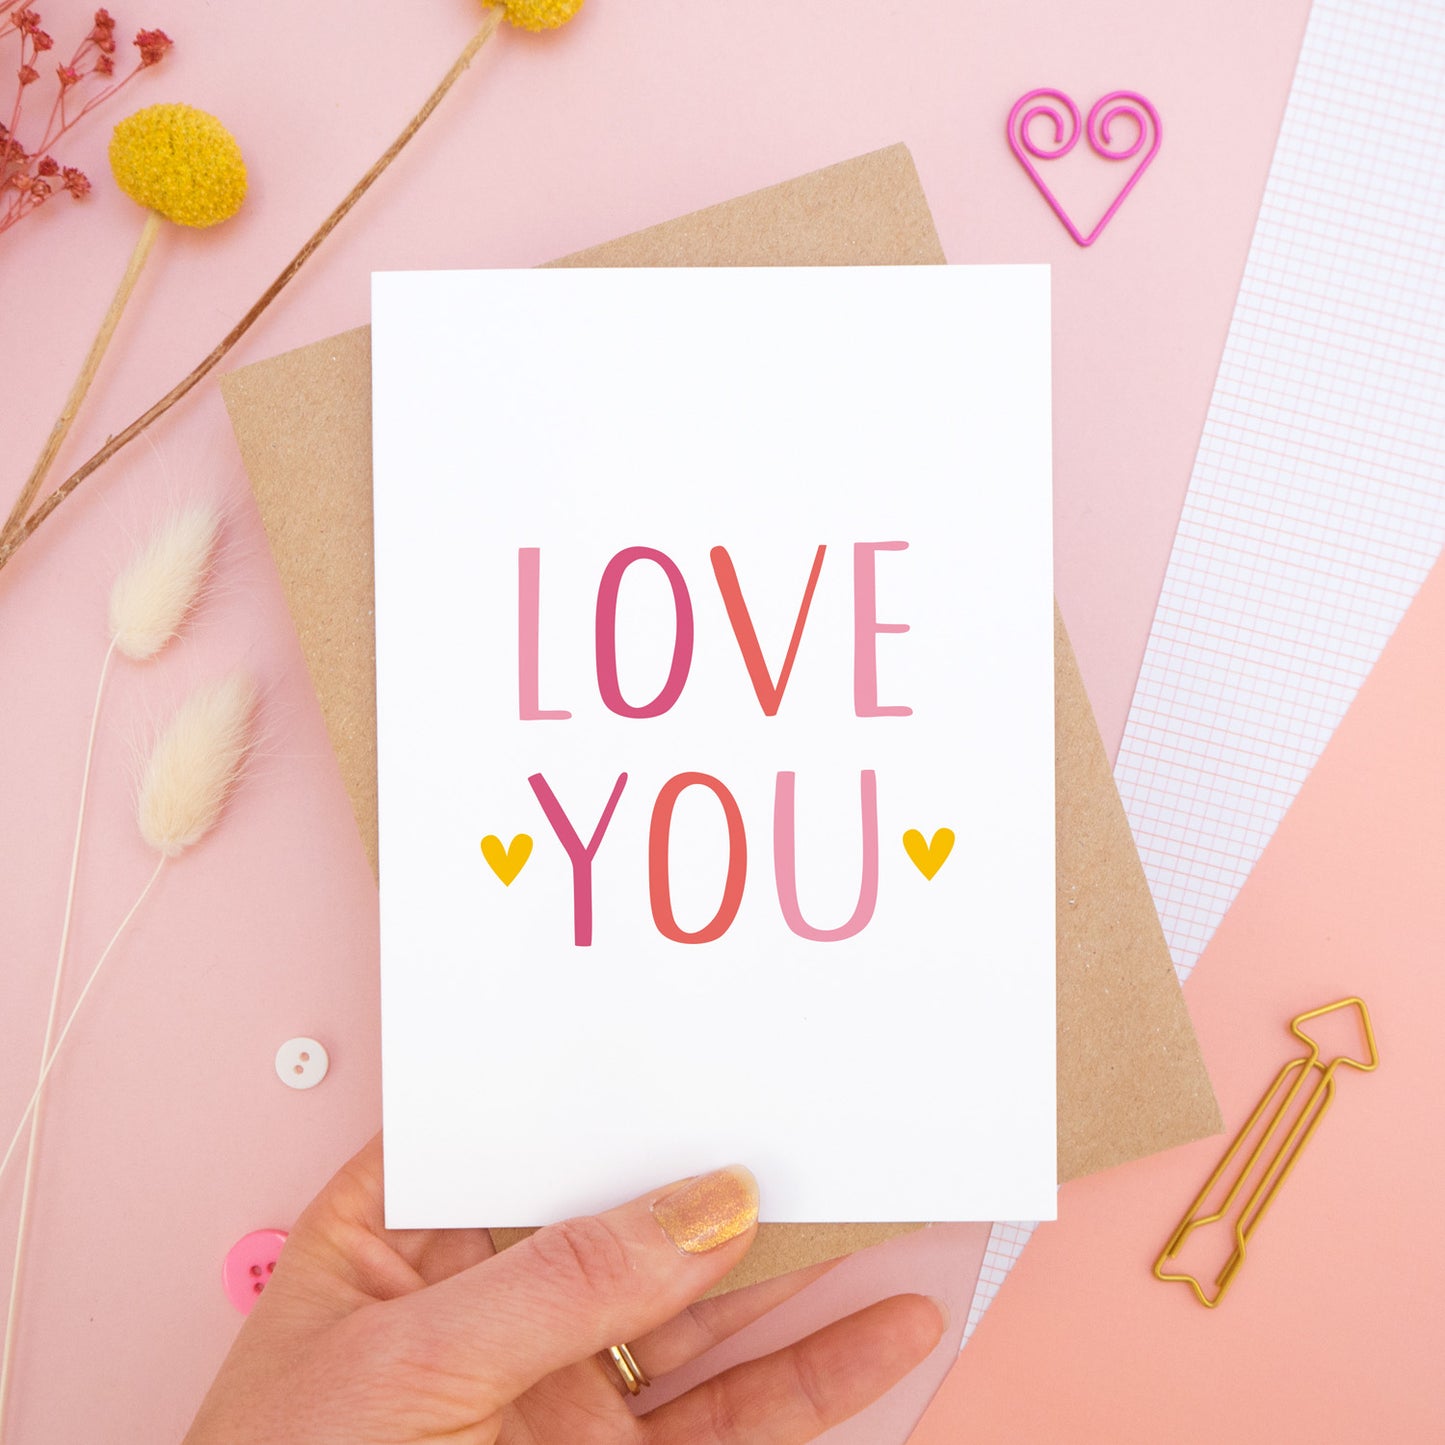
<point x="943" y="1310"/>
<point x="708" y="1211"/>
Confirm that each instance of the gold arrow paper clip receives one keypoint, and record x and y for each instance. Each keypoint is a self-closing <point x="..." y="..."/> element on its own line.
<point x="1296" y="1115"/>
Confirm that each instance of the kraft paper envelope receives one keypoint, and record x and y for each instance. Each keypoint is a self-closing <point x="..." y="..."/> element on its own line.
<point x="1130" y="1078"/>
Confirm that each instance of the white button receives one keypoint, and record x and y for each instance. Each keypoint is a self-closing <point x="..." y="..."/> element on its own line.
<point x="301" y="1063"/>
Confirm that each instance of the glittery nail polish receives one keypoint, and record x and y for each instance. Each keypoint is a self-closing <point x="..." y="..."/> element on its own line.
<point x="708" y="1211"/>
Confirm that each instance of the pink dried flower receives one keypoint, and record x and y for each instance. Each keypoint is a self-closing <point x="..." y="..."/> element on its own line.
<point x="152" y="45"/>
<point x="26" y="175"/>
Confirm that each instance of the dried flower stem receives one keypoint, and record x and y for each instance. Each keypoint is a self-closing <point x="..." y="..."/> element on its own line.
<point x="74" y="1012"/>
<point x="22" y="533"/>
<point x="63" y="422"/>
<point x="32" y="1152"/>
<point x="12" y="1317"/>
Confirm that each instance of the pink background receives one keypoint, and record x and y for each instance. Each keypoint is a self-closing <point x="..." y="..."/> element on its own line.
<point x="168" y="1135"/>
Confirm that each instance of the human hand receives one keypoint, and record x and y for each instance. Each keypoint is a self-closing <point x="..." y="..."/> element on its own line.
<point x="371" y="1336"/>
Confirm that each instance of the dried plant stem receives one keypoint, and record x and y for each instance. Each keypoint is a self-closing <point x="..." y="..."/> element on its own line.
<point x="12" y="1316"/>
<point x="9" y="545"/>
<point x="70" y="1020"/>
<point x="61" y="429"/>
<point x="33" y="1150"/>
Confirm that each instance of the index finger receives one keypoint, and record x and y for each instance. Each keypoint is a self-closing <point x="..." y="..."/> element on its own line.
<point x="573" y="1289"/>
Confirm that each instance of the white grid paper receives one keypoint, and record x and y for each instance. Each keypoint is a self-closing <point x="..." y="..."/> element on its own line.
<point x="1317" y="501"/>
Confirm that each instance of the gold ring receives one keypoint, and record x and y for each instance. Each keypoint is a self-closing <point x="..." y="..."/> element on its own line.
<point x="633" y="1375"/>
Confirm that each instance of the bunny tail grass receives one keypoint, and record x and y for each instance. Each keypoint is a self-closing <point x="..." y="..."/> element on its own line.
<point x="192" y="769"/>
<point x="153" y="596"/>
<point x="195" y="764"/>
<point x="149" y="601"/>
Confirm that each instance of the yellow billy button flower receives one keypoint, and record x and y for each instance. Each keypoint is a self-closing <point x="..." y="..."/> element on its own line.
<point x="538" y="14"/>
<point x="182" y="165"/>
<point x="181" y="162"/>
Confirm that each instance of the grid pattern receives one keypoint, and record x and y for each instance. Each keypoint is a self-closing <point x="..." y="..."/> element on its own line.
<point x="1006" y="1242"/>
<point x="1317" y="502"/>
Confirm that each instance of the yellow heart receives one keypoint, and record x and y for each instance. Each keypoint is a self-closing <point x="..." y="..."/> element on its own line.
<point x="928" y="858"/>
<point x="507" y="862"/>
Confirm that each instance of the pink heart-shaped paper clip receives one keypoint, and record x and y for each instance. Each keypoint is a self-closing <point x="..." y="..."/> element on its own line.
<point x="1057" y="107"/>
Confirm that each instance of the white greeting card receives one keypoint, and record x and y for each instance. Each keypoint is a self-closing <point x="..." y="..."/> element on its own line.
<point x="715" y="717"/>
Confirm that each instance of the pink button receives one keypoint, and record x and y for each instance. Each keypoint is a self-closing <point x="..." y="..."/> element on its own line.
<point x="247" y="1269"/>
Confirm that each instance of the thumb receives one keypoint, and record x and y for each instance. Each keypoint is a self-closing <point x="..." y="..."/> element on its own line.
<point x="576" y="1288"/>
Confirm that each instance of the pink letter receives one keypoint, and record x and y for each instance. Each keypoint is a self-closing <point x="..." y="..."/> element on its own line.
<point x="529" y="586"/>
<point x="785" y="866"/>
<point x="581" y="857"/>
<point x="607" y="683"/>
<point x="865" y="628"/>
<point x="770" y="695"/>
